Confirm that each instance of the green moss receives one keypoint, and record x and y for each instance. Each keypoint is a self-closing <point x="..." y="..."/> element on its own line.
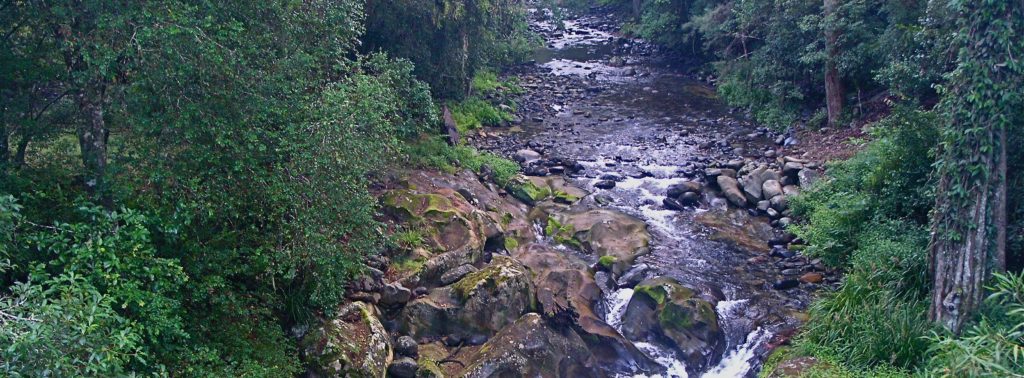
<point x="527" y="191"/>
<point x="428" y="369"/>
<point x="491" y="276"/>
<point x="511" y="243"/>
<point x="675" y="317"/>
<point x="405" y="266"/>
<point x="562" y="233"/>
<point x="607" y="261"/>
<point x="564" y="197"/>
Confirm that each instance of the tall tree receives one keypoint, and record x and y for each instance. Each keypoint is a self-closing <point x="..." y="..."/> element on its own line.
<point x="969" y="221"/>
<point x="833" y="82"/>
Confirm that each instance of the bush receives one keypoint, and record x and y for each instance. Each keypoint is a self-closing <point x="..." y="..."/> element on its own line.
<point x="889" y="179"/>
<point x="475" y="113"/>
<point x="994" y="347"/>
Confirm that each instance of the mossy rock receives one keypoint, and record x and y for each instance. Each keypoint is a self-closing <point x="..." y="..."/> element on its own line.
<point x="354" y="343"/>
<point x="527" y="191"/>
<point x="447" y="221"/>
<point x="567" y="294"/>
<point x="531" y="347"/>
<point x="429" y="369"/>
<point x="664" y="311"/>
<point x="482" y="302"/>
<point x="605" y="232"/>
<point x="607" y="262"/>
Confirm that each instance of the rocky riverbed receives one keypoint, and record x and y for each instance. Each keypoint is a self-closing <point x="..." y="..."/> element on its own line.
<point x="645" y="238"/>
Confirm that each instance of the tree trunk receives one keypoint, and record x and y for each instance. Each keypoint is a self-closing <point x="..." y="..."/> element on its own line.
<point x="969" y="222"/>
<point x="19" y="153"/>
<point x="92" y="138"/>
<point x="833" y="83"/>
<point x="4" y="148"/>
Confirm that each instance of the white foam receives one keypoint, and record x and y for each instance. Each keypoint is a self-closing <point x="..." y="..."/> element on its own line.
<point x="739" y="362"/>
<point x="674" y="367"/>
<point x="617" y="302"/>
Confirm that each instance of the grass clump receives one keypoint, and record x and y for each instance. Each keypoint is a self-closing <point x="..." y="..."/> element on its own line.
<point x="475" y="113"/>
<point x="433" y="152"/>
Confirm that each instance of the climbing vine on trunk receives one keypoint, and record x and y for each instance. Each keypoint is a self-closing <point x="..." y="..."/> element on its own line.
<point x="981" y="104"/>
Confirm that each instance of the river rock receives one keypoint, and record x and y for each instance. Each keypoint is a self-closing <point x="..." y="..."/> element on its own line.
<point x="812" y="277"/>
<point x="730" y="188"/>
<point x="395" y="295"/>
<point x="604" y="184"/>
<point x="404" y="367"/>
<point x="673" y="204"/>
<point x="610" y="234"/>
<point x="662" y="309"/>
<point x="407" y="347"/>
<point x="770" y="189"/>
<point x="679" y="189"/>
<point x="780" y="203"/>
<point x="808" y="177"/>
<point x="753" y="182"/>
<point x="482" y="302"/>
<point x="792" y="168"/>
<point x="689" y="199"/>
<point x="530" y="347"/>
<point x="456" y="274"/>
<point x="354" y="343"/>
<point x="791" y="190"/>
<point x="567" y="294"/>
<point x="526" y="155"/>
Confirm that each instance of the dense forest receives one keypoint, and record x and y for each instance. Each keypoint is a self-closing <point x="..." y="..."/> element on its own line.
<point x="187" y="187"/>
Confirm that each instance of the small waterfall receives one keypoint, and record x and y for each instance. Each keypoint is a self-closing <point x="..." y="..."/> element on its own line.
<point x="736" y="363"/>
<point x="739" y="362"/>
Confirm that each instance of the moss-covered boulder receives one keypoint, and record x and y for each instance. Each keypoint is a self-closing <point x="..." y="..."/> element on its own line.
<point x="443" y="217"/>
<point x="567" y="294"/>
<point x="606" y="232"/>
<point x="530" y="347"/>
<point x="526" y="190"/>
<point x="482" y="302"/>
<point x="353" y="344"/>
<point x="494" y="296"/>
<point x="664" y="311"/>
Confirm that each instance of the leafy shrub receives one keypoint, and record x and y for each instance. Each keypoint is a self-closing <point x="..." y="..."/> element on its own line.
<point x="475" y="113"/>
<point x="65" y="327"/>
<point x="994" y="347"/>
<point x="889" y="179"/>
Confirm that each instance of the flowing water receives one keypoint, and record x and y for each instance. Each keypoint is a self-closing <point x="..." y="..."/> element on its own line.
<point x="647" y="125"/>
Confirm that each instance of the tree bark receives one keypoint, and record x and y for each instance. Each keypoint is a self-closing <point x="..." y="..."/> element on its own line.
<point x="4" y="148"/>
<point x="969" y="222"/>
<point x="92" y="138"/>
<point x="833" y="82"/>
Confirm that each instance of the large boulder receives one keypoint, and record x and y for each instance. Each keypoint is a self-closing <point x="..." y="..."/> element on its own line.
<point x="567" y="294"/>
<point x="494" y="296"/>
<point x="531" y="347"/>
<point x="770" y="189"/>
<point x="753" y="183"/>
<point x="481" y="303"/>
<point x="616" y="237"/>
<point x="664" y="311"/>
<point x="354" y="343"/>
<point x="731" y="191"/>
<point x="447" y="221"/>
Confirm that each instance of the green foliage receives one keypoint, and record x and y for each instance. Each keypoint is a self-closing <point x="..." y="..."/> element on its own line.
<point x="63" y="326"/>
<point x="889" y="179"/>
<point x="476" y="113"/>
<point x="435" y="153"/>
<point x="995" y="345"/>
<point x="449" y="40"/>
